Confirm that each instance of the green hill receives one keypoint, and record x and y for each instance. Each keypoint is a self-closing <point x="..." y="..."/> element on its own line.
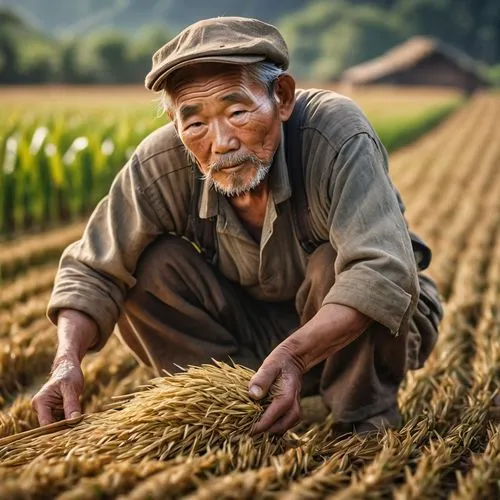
<point x="111" y="41"/>
<point x="26" y="54"/>
<point x="63" y="18"/>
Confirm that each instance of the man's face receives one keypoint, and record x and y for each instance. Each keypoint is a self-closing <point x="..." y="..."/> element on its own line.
<point x="228" y="123"/>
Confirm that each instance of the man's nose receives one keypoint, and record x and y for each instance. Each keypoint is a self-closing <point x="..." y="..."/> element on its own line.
<point x="224" y="138"/>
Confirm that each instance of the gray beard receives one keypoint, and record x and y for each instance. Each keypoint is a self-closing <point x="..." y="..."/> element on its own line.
<point x="235" y="185"/>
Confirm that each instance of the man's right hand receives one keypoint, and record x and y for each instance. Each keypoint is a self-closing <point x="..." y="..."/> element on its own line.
<point x="61" y="392"/>
<point x="76" y="333"/>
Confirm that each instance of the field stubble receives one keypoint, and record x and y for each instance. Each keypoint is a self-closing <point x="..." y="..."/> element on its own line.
<point x="449" y="447"/>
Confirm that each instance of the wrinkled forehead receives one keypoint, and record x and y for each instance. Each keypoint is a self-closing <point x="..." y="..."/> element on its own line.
<point x="202" y="71"/>
<point x="200" y="79"/>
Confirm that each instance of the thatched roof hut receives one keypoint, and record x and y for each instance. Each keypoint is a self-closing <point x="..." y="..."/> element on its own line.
<point x="419" y="61"/>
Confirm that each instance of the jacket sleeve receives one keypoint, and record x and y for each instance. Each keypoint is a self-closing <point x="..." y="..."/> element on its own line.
<point x="95" y="272"/>
<point x="375" y="268"/>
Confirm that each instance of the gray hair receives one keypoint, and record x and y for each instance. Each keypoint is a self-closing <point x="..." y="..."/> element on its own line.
<point x="263" y="73"/>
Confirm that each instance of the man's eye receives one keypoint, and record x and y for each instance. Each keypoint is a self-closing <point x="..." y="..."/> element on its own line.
<point x="239" y="112"/>
<point x="194" y="125"/>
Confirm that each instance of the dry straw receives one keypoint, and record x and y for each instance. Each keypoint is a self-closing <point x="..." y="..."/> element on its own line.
<point x="183" y="414"/>
<point x="21" y="417"/>
<point x="202" y="417"/>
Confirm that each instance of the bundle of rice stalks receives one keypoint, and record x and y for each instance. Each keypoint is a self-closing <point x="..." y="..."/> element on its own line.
<point x="98" y="400"/>
<point x="182" y="414"/>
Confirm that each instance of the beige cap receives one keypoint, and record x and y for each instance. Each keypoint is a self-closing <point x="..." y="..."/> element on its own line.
<point x="232" y="40"/>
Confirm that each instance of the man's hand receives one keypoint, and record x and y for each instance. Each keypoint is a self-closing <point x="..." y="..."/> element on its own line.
<point x="284" y="411"/>
<point x="76" y="332"/>
<point x="61" y="391"/>
<point x="331" y="329"/>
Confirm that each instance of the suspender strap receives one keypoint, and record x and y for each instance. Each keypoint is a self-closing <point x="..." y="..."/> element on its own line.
<point x="201" y="231"/>
<point x="297" y="172"/>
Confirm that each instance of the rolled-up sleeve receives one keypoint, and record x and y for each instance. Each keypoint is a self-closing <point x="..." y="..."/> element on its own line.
<point x="95" y="272"/>
<point x="375" y="267"/>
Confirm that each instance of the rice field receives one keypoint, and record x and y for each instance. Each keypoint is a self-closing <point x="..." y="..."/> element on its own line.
<point x="186" y="435"/>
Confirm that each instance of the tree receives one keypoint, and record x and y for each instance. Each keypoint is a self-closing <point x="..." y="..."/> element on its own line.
<point x="333" y="35"/>
<point x="473" y="27"/>
<point x="142" y="48"/>
<point x="102" y="57"/>
<point x="69" y="71"/>
<point x="9" y="73"/>
<point x="26" y="56"/>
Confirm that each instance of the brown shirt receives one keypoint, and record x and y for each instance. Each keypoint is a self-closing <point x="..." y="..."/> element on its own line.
<point x="353" y="204"/>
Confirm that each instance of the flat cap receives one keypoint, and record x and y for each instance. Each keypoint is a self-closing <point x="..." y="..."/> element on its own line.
<point x="233" y="40"/>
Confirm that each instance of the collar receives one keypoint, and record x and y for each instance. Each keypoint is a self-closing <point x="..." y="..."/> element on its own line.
<point x="279" y="184"/>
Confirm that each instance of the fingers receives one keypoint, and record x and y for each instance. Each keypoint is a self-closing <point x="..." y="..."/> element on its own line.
<point x="288" y="420"/>
<point x="71" y="403"/>
<point x="279" y="367"/>
<point x="281" y="415"/>
<point x="43" y="410"/>
<point x="284" y="411"/>
<point x="277" y="409"/>
<point x="48" y="400"/>
<point x="61" y="392"/>
<point x="262" y="381"/>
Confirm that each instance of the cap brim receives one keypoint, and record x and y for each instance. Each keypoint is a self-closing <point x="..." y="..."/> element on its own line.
<point x="155" y="81"/>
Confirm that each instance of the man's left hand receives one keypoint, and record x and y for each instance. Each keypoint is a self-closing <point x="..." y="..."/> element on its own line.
<point x="332" y="328"/>
<point x="282" y="367"/>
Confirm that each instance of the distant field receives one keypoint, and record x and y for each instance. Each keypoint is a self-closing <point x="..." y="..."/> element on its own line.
<point x="401" y="115"/>
<point x="60" y="147"/>
<point x="375" y="100"/>
<point x="391" y="102"/>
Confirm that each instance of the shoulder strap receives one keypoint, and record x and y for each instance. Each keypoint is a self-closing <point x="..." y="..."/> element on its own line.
<point x="201" y="231"/>
<point x="300" y="205"/>
<point x="296" y="168"/>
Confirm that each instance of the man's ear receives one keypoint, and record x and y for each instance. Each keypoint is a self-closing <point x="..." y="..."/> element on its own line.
<point x="284" y="90"/>
<point x="171" y="116"/>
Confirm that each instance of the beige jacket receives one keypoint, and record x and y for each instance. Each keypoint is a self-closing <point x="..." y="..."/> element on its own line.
<point x="352" y="201"/>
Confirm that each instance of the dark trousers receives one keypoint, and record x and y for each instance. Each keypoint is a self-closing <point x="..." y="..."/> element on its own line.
<point x="182" y="311"/>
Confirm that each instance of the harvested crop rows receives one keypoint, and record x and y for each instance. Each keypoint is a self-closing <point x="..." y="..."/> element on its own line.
<point x="449" y="446"/>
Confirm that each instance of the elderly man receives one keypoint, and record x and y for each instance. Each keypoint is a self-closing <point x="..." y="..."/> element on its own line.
<point x="259" y="225"/>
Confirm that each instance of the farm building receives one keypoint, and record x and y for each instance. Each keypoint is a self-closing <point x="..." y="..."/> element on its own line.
<point x="419" y="61"/>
